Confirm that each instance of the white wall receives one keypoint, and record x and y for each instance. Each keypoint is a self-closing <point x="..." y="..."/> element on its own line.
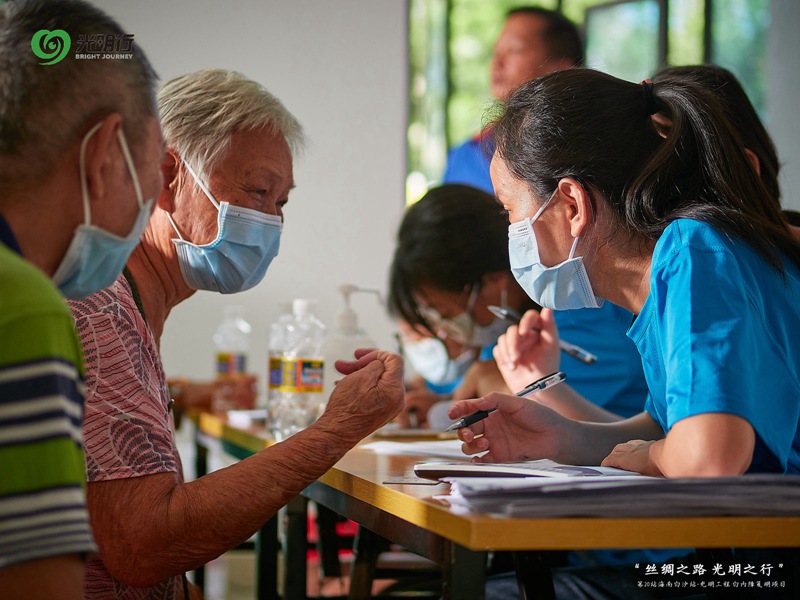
<point x="341" y="68"/>
<point x="783" y="77"/>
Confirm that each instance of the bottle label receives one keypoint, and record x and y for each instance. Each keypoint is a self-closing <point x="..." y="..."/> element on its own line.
<point x="275" y="372"/>
<point x="302" y="375"/>
<point x="230" y="363"/>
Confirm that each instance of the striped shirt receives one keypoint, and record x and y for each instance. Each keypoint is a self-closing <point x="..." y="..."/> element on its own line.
<point x="42" y="473"/>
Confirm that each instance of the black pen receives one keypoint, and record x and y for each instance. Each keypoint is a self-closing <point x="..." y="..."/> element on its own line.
<point x="572" y="350"/>
<point x="536" y="386"/>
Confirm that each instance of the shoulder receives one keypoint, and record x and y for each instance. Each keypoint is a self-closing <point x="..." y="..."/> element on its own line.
<point x="695" y="245"/>
<point x="688" y="234"/>
<point x="35" y="322"/>
<point x="482" y="142"/>
<point x="25" y="287"/>
<point x="107" y="300"/>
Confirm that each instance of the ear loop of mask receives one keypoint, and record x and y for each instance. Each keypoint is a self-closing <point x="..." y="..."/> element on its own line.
<point x="540" y="211"/>
<point x="206" y="191"/>
<point x="126" y="154"/>
<point x="87" y="211"/>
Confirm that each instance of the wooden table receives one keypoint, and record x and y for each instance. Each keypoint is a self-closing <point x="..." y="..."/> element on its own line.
<point x="362" y="487"/>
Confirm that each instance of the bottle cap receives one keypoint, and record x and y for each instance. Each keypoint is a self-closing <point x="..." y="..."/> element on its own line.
<point x="303" y="306"/>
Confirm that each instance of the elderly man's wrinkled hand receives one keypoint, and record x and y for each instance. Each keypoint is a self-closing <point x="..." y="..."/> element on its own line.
<point x="370" y="395"/>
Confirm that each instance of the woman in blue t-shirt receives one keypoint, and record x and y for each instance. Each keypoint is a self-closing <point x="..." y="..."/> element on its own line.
<point x="679" y="230"/>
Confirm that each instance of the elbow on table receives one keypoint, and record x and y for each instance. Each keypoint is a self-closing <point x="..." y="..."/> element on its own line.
<point x="708" y="445"/>
<point x="708" y="465"/>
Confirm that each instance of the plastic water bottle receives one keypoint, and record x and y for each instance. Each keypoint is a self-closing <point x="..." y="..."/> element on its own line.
<point x="232" y="344"/>
<point x="302" y="399"/>
<point x="278" y="332"/>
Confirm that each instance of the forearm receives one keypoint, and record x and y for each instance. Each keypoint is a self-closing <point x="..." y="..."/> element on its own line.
<point x="587" y="443"/>
<point x="43" y="579"/>
<point x="567" y="402"/>
<point x="169" y="529"/>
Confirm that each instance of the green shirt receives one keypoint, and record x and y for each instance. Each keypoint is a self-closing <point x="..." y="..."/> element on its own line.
<point x="42" y="472"/>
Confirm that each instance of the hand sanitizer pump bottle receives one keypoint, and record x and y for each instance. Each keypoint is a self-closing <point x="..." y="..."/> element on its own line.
<point x="345" y="338"/>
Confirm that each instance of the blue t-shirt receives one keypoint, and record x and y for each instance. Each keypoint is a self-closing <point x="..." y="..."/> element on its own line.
<point x="720" y="332"/>
<point x="469" y="162"/>
<point x="616" y="381"/>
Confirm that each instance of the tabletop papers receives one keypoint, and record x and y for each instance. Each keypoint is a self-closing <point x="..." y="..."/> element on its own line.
<point x="438" y="448"/>
<point x="530" y="468"/>
<point x="624" y="496"/>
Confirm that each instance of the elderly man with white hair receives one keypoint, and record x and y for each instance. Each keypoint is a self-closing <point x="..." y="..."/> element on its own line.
<point x="216" y="226"/>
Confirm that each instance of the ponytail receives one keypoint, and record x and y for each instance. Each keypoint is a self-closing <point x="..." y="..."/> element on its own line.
<point x="598" y="130"/>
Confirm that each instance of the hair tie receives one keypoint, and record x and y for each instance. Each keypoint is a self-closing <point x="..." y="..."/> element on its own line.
<point x="649" y="99"/>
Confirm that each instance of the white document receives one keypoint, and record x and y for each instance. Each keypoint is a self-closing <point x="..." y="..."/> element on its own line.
<point x="439" y="448"/>
<point x="530" y="468"/>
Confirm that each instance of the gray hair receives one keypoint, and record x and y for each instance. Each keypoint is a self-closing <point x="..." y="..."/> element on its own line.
<point x="199" y="112"/>
<point x="45" y="108"/>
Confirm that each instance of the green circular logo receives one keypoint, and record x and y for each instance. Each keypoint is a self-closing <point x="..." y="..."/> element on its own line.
<point x="50" y="46"/>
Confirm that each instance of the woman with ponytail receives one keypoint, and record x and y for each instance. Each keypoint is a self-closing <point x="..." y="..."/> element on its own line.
<point x="677" y="228"/>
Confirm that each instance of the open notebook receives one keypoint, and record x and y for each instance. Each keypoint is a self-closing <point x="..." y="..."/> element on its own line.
<point x="531" y="468"/>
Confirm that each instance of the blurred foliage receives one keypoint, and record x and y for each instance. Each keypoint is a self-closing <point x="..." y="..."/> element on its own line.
<point x="739" y="43"/>
<point x="451" y="45"/>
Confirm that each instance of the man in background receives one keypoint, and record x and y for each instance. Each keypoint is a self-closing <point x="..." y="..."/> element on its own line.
<point x="80" y="147"/>
<point x="533" y="42"/>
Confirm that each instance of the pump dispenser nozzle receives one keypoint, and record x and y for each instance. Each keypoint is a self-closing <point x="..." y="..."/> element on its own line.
<point x="347" y="320"/>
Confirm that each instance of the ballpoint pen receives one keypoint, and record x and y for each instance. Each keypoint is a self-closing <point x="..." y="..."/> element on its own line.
<point x="572" y="350"/>
<point x="532" y="388"/>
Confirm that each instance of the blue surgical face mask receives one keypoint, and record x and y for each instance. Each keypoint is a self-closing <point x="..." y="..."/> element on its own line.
<point x="564" y="286"/>
<point x="96" y="257"/>
<point x="429" y="359"/>
<point x="247" y="241"/>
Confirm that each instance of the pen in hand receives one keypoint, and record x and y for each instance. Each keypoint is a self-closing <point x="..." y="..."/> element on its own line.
<point x="536" y="386"/>
<point x="572" y="350"/>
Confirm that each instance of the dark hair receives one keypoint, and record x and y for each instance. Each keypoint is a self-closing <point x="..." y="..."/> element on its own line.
<point x="792" y="217"/>
<point x="597" y="129"/>
<point x="740" y="111"/>
<point x="45" y="108"/>
<point x="450" y="239"/>
<point x="562" y="37"/>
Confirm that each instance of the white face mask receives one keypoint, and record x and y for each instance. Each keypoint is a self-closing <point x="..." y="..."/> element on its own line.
<point x="564" y="286"/>
<point x="95" y="257"/>
<point x="429" y="358"/>
<point x="462" y="328"/>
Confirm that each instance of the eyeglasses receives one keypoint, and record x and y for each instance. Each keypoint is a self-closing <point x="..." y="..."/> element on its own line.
<point x="459" y="328"/>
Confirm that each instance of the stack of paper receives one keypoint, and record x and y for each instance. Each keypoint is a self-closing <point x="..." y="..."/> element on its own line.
<point x="556" y="490"/>
<point x="615" y="496"/>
